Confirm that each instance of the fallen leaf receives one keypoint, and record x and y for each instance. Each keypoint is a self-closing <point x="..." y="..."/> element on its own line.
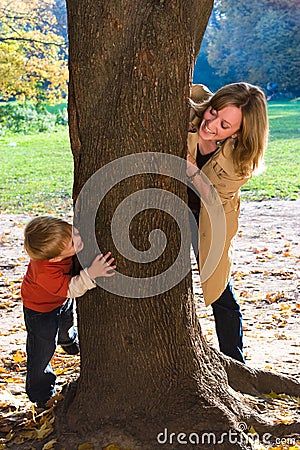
<point x="86" y="446"/>
<point x="112" y="447"/>
<point x="287" y="420"/>
<point x="285" y="307"/>
<point x="244" y="294"/>
<point x="44" y="431"/>
<point x="13" y="380"/>
<point x="49" y="445"/>
<point x="274" y="296"/>
<point x="18" y="357"/>
<point x="269" y="256"/>
<point x="272" y="394"/>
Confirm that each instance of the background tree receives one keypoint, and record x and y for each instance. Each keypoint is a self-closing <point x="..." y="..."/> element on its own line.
<point x="144" y="363"/>
<point x="257" y="42"/>
<point x="32" y="53"/>
<point x="264" y="49"/>
<point x="61" y="26"/>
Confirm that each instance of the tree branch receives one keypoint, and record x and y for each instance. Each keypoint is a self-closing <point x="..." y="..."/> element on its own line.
<point x="31" y="40"/>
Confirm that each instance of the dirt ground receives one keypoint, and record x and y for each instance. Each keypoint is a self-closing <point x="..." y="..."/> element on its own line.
<point x="265" y="274"/>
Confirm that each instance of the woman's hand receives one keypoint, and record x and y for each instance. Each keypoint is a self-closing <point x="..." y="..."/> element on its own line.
<point x="102" y="267"/>
<point x="195" y="177"/>
<point x="191" y="165"/>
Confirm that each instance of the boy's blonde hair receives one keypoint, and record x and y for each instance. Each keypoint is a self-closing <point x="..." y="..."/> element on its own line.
<point x="46" y="237"/>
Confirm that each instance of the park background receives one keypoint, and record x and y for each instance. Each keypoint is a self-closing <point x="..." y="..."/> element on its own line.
<point x="258" y="43"/>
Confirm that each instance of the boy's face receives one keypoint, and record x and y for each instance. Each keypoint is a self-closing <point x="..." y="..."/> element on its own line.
<point x="77" y="242"/>
<point x="69" y="250"/>
<point x="73" y="245"/>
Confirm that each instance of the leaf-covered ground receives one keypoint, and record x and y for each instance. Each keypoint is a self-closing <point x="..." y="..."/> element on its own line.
<point x="266" y="275"/>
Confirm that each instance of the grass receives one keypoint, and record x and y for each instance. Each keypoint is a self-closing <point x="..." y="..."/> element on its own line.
<point x="54" y="109"/>
<point x="281" y="177"/>
<point x="37" y="170"/>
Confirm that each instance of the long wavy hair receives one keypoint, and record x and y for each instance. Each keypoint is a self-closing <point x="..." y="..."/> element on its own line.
<point x="249" y="147"/>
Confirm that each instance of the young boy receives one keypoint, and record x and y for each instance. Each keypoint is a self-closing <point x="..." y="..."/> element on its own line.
<point x="47" y="293"/>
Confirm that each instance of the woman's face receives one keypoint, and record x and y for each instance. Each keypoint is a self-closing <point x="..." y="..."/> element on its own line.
<point x="219" y="125"/>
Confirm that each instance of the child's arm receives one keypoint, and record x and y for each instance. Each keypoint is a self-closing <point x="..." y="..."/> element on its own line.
<point x="100" y="267"/>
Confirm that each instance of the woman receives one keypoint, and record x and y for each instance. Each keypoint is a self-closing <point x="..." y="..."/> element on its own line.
<point x="226" y="140"/>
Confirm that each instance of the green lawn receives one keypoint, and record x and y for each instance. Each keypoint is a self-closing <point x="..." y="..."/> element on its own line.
<point x="37" y="170"/>
<point x="281" y="178"/>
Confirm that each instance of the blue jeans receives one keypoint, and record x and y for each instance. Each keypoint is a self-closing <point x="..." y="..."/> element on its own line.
<point x="228" y="320"/>
<point x="44" y="331"/>
<point x="227" y="314"/>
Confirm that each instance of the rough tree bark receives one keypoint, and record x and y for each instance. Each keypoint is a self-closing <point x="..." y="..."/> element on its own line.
<point x="145" y="366"/>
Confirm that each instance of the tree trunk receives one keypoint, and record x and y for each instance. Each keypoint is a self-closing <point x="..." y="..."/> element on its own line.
<point x="145" y="367"/>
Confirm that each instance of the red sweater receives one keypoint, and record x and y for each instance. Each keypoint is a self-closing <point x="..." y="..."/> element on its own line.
<point x="45" y="284"/>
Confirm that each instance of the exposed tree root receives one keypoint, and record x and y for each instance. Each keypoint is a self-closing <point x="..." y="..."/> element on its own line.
<point x="202" y="426"/>
<point x="198" y="418"/>
<point x="252" y="381"/>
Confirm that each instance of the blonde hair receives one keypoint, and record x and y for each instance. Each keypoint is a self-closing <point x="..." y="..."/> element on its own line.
<point x="46" y="237"/>
<point x="249" y="147"/>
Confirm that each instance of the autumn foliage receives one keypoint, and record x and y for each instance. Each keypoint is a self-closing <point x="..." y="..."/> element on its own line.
<point x="32" y="52"/>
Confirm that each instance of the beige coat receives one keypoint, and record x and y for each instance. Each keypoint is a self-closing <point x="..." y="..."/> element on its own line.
<point x="215" y="255"/>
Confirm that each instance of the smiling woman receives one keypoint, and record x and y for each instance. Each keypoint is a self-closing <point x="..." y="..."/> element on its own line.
<point x="217" y="126"/>
<point x="227" y="143"/>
